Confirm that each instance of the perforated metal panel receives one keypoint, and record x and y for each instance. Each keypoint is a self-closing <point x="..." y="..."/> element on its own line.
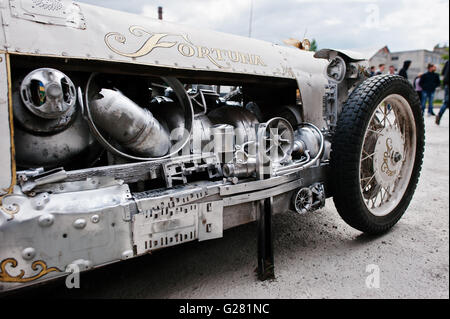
<point x="56" y="12"/>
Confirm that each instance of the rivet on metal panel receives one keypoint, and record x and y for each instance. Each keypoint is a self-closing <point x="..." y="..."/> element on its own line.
<point x="79" y="223"/>
<point x="127" y="254"/>
<point x="28" y="253"/>
<point x="81" y="263"/>
<point x="46" y="220"/>
<point x="95" y="219"/>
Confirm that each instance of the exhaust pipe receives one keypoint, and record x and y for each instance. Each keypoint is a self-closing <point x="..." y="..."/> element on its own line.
<point x="128" y="124"/>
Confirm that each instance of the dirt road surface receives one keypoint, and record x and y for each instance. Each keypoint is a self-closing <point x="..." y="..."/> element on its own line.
<point x="316" y="256"/>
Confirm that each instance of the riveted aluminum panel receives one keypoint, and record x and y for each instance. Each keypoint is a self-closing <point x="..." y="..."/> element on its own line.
<point x="116" y="36"/>
<point x="6" y="164"/>
<point x="49" y="232"/>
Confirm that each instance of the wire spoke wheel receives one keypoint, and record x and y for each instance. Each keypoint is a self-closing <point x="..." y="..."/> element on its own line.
<point x="377" y="153"/>
<point x="387" y="155"/>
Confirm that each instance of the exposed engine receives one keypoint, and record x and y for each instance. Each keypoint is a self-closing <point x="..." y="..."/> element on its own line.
<point x="112" y="120"/>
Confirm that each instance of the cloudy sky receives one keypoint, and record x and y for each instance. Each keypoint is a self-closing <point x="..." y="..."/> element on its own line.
<point x="364" y="25"/>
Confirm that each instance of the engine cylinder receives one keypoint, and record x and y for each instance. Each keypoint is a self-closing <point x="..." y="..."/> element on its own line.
<point x="223" y="136"/>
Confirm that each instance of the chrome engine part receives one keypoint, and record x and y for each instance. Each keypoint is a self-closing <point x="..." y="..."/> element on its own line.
<point x="48" y="93"/>
<point x="308" y="199"/>
<point x="223" y="137"/>
<point x="241" y="119"/>
<point x="50" y="130"/>
<point x="73" y="144"/>
<point x="303" y="200"/>
<point x="145" y="140"/>
<point x="307" y="139"/>
<point x="240" y="169"/>
<point x="201" y="135"/>
<point x="279" y="140"/>
<point x="134" y="128"/>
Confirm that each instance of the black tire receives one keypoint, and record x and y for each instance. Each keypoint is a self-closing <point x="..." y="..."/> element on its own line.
<point x="346" y="152"/>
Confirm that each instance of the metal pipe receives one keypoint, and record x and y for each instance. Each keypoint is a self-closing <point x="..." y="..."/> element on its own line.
<point x="131" y="126"/>
<point x="300" y="166"/>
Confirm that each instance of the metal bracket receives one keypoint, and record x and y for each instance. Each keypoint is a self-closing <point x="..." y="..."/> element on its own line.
<point x="330" y="105"/>
<point x="177" y="171"/>
<point x="33" y="178"/>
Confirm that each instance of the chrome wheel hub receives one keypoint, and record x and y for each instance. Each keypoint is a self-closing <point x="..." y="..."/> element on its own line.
<point x="389" y="155"/>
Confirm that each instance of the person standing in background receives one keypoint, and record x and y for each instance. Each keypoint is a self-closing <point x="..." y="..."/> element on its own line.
<point x="429" y="82"/>
<point x="380" y="69"/>
<point x="372" y="71"/>
<point x="404" y="71"/>
<point x="417" y="86"/>
<point x="445" y="105"/>
<point x="392" y="70"/>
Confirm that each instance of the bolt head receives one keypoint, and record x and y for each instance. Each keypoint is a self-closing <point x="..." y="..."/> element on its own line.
<point x="397" y="157"/>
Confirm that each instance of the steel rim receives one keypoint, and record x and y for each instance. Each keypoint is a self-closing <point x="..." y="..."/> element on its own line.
<point x="387" y="155"/>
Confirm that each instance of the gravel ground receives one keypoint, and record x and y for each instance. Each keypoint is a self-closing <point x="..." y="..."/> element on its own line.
<point x="316" y="256"/>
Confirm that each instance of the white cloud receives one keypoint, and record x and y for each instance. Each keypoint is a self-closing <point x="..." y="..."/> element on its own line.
<point x="402" y="25"/>
<point x="212" y="14"/>
<point x="333" y="21"/>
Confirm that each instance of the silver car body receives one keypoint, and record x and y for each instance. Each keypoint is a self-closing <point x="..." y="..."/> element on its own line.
<point x="90" y="221"/>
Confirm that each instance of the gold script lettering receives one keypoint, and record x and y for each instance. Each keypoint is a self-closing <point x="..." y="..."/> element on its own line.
<point x="181" y="49"/>
<point x="218" y="54"/>
<point x="151" y="43"/>
<point x="204" y="52"/>
<point x="236" y="56"/>
<point x="258" y="61"/>
<point x="245" y="58"/>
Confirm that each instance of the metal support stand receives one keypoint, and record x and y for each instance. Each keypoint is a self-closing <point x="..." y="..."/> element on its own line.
<point x="265" y="240"/>
<point x="266" y="269"/>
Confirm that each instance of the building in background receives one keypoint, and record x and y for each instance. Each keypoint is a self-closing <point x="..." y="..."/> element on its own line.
<point x="419" y="61"/>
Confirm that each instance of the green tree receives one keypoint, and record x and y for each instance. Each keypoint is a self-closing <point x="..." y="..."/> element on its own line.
<point x="313" y="47"/>
<point x="445" y="55"/>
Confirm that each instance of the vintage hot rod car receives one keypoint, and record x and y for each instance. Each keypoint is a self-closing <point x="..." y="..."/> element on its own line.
<point x="121" y="135"/>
